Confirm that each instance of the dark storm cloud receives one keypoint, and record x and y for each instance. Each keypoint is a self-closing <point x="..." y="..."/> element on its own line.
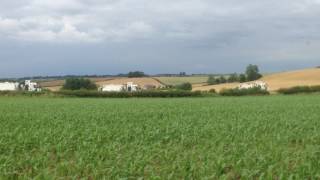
<point x="45" y="37"/>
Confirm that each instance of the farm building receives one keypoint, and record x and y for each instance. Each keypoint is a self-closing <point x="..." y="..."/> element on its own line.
<point x="130" y="87"/>
<point x="31" y="86"/>
<point x="15" y="86"/>
<point x="254" y="84"/>
<point x="112" y="88"/>
<point x="9" y="86"/>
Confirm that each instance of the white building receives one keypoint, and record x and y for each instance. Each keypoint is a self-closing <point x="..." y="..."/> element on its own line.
<point x="9" y="86"/>
<point x="112" y="88"/>
<point x="130" y="87"/>
<point x="31" y="86"/>
<point x="254" y="84"/>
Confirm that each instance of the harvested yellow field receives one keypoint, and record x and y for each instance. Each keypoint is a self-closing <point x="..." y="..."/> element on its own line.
<point x="219" y="87"/>
<point x="306" y="77"/>
<point x="53" y="88"/>
<point x="51" y="83"/>
<point x="180" y="80"/>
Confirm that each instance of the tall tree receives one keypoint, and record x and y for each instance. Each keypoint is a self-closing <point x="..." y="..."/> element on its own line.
<point x="242" y="78"/>
<point x="252" y="72"/>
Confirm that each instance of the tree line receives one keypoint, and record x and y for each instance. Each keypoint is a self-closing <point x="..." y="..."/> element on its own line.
<point x="251" y="74"/>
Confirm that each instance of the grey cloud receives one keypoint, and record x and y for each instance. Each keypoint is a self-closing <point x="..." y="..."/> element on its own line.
<point x="158" y="33"/>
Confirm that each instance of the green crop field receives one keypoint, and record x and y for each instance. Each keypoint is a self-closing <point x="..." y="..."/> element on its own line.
<point x="275" y="137"/>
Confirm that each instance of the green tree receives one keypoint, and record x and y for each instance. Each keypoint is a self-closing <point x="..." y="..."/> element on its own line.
<point x="217" y="80"/>
<point x="233" y="77"/>
<point x="222" y="79"/>
<point x="182" y="74"/>
<point x="79" y="83"/>
<point x="185" y="86"/>
<point x="252" y="72"/>
<point x="242" y="78"/>
<point x="211" y="80"/>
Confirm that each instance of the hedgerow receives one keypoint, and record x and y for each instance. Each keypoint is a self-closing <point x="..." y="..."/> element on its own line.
<point x="299" y="89"/>
<point x="163" y="94"/>
<point x="22" y="93"/>
<point x="243" y="92"/>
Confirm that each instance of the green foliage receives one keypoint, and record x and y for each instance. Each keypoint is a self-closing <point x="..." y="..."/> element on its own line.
<point x="24" y="93"/>
<point x="243" y="92"/>
<point x="275" y="137"/>
<point x="233" y="78"/>
<point x="242" y="78"/>
<point x="79" y="83"/>
<point x="211" y="80"/>
<point x="184" y="86"/>
<point x="138" y="94"/>
<point x="136" y="74"/>
<point x="252" y="72"/>
<point x="299" y="89"/>
<point x="222" y="79"/>
<point x="212" y="91"/>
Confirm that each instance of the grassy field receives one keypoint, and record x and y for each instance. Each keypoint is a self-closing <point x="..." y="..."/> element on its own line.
<point x="180" y="80"/>
<point x="276" y="137"/>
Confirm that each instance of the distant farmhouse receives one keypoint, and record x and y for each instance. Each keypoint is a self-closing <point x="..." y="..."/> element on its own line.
<point x="15" y="86"/>
<point x="9" y="86"/>
<point x="255" y="84"/>
<point x="129" y="87"/>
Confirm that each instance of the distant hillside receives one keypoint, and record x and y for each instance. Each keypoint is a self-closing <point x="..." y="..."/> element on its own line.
<point x="276" y="81"/>
<point x="307" y="77"/>
<point x="57" y="84"/>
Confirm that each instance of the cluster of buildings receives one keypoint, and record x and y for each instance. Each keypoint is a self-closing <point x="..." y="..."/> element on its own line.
<point x="128" y="87"/>
<point x="27" y="85"/>
<point x="256" y="84"/>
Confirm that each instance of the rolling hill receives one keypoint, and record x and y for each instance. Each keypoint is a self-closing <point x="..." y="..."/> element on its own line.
<point x="56" y="85"/>
<point x="305" y="77"/>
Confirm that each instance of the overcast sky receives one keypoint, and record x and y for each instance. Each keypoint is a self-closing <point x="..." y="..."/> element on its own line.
<point x="58" y="37"/>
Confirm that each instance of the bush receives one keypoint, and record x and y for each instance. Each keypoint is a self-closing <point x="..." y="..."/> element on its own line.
<point x="242" y="78"/>
<point x="23" y="93"/>
<point x="299" y="89"/>
<point x="222" y="79"/>
<point x="233" y="78"/>
<point x="79" y="83"/>
<point x="212" y="91"/>
<point x="211" y="80"/>
<point x="243" y="92"/>
<point x="184" y="86"/>
<point x="163" y="94"/>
